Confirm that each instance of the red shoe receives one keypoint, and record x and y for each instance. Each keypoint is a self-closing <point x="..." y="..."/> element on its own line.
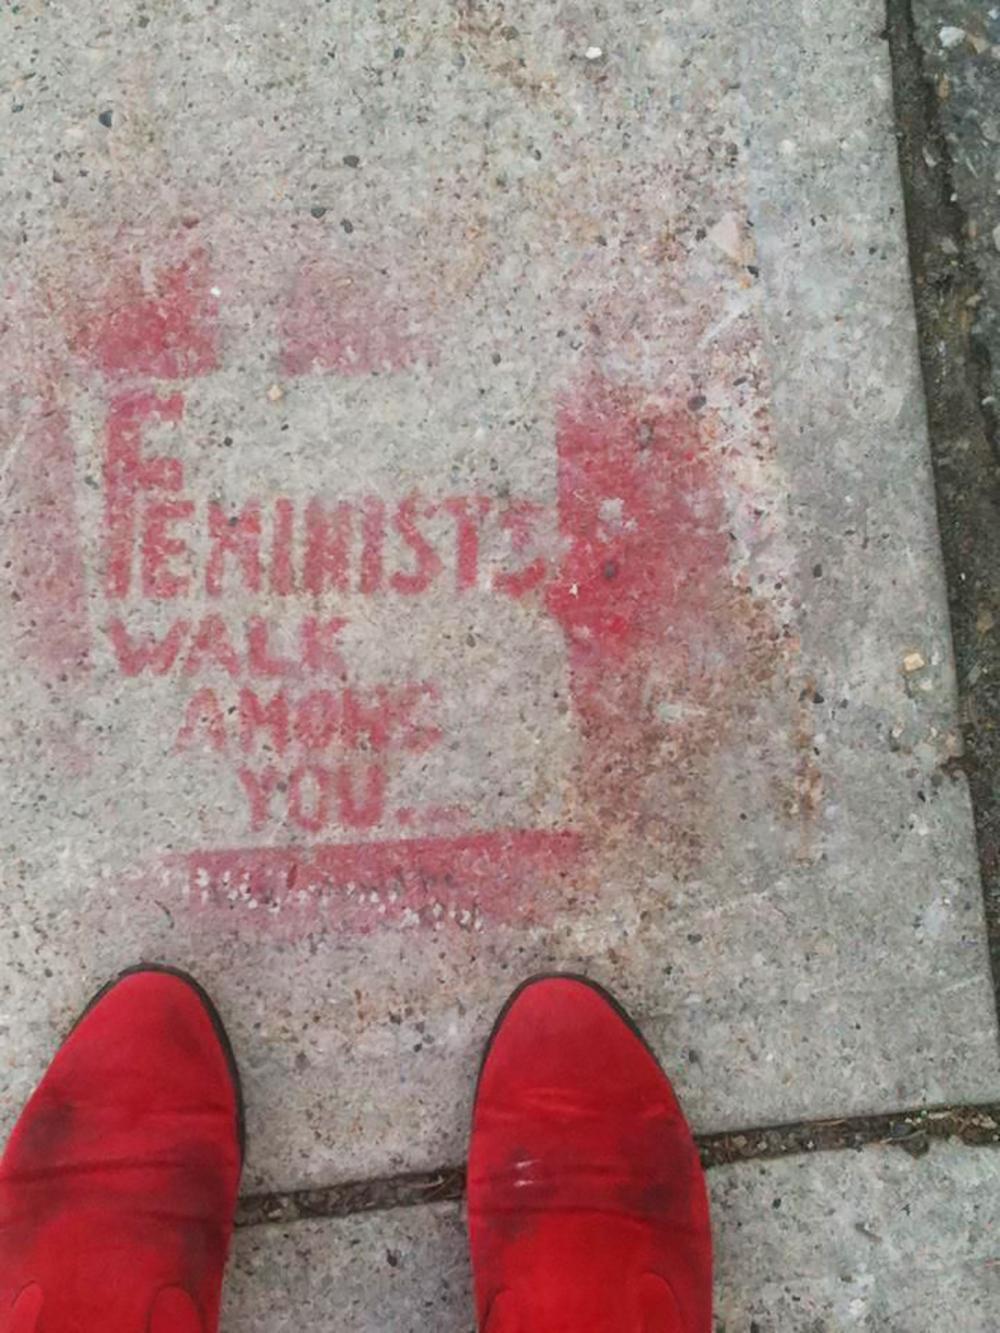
<point x="587" y="1203"/>
<point x="118" y="1185"/>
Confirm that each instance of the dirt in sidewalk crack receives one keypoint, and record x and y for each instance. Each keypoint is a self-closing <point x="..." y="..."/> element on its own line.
<point x="911" y="1130"/>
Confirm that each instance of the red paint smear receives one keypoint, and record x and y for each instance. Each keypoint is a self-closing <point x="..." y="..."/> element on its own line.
<point x="643" y="522"/>
<point x="347" y="322"/>
<point x="166" y="329"/>
<point x="500" y="876"/>
<point x="43" y="548"/>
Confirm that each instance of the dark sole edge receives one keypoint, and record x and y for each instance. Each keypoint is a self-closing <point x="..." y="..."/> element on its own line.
<point x="208" y="1004"/>
<point x="578" y="977"/>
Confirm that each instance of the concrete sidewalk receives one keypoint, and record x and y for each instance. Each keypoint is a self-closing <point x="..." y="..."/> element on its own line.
<point x="843" y="1241"/>
<point x="469" y="512"/>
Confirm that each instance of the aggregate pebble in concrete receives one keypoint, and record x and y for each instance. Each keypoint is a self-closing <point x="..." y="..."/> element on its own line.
<point x="468" y="513"/>
<point x="872" y="1240"/>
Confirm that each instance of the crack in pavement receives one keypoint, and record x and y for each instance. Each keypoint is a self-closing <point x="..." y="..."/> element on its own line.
<point x="911" y="1130"/>
<point x="962" y="427"/>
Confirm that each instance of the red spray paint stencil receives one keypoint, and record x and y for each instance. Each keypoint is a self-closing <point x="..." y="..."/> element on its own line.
<point x="270" y="622"/>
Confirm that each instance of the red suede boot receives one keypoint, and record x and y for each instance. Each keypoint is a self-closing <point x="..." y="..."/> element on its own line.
<point x="118" y="1185"/>
<point x="587" y="1203"/>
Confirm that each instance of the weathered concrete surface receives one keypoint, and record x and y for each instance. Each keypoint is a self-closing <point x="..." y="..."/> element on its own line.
<point x="872" y="1241"/>
<point x="506" y="424"/>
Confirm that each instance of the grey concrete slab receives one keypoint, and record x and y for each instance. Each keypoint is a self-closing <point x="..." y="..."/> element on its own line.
<point x="468" y="512"/>
<point x="871" y="1240"/>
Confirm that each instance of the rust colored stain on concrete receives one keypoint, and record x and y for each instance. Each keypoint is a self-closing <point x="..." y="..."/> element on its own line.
<point x="667" y="647"/>
<point x="643" y="526"/>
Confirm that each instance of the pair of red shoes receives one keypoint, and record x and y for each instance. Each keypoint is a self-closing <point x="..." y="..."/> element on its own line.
<point x="587" y="1205"/>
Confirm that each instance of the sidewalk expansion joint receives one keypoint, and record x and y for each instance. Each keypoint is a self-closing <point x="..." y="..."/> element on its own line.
<point x="911" y="1130"/>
